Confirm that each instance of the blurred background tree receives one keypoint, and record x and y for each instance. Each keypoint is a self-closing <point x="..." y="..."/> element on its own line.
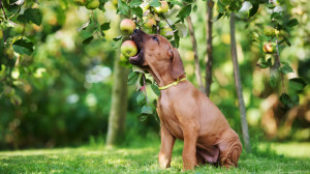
<point x="57" y="61"/>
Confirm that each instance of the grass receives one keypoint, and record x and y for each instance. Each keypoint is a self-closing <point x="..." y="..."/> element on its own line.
<point x="270" y="158"/>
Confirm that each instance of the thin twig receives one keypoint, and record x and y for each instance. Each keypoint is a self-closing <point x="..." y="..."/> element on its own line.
<point x="194" y="43"/>
<point x="1" y="6"/>
<point x="166" y="21"/>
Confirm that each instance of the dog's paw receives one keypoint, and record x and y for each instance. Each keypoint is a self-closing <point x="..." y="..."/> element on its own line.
<point x="164" y="162"/>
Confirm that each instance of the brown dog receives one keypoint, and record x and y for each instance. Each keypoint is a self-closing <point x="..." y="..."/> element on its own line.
<point x="184" y="111"/>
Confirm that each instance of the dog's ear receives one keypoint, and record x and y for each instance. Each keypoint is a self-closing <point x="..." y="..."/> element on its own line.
<point x="177" y="68"/>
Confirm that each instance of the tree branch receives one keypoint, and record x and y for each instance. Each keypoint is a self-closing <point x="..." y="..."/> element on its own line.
<point x="194" y="43"/>
<point x="209" y="23"/>
<point x="244" y="124"/>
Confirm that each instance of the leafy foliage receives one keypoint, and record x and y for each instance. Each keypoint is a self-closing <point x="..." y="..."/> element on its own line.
<point x="49" y="51"/>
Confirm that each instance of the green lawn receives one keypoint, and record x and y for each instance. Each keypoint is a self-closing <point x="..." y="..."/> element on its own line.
<point x="270" y="158"/>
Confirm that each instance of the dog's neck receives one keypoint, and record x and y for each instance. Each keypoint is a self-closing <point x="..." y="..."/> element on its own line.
<point x="161" y="77"/>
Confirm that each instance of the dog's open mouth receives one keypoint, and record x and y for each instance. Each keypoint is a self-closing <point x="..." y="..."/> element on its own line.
<point x="138" y="58"/>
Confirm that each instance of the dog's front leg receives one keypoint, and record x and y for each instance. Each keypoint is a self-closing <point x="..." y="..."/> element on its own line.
<point x="190" y="133"/>
<point x="167" y="142"/>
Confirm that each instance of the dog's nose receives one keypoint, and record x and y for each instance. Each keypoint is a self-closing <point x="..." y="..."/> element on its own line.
<point x="136" y="31"/>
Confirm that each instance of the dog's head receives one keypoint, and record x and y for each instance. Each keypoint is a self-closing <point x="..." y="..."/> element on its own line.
<point x="156" y="52"/>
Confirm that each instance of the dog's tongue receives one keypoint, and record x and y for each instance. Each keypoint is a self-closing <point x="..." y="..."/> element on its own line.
<point x="134" y="57"/>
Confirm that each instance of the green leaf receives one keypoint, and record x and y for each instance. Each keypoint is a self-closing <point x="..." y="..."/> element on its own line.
<point x="176" y="40"/>
<point x="155" y="89"/>
<point x="85" y="34"/>
<point x="219" y="16"/>
<point x="16" y="100"/>
<point x="296" y="85"/>
<point x="2" y="72"/>
<point x="254" y="9"/>
<point x="116" y="44"/>
<point x="102" y="3"/>
<point x="285" y="68"/>
<point x="195" y="7"/>
<point x="123" y="8"/>
<point x="118" y="38"/>
<point x="184" y="12"/>
<point x="23" y="46"/>
<point x="135" y="3"/>
<point x="188" y="1"/>
<point x="148" y="82"/>
<point x="285" y="99"/>
<point x="146" y="110"/>
<point x="289" y="100"/>
<point x="175" y="2"/>
<point x="137" y="11"/>
<point x="105" y="26"/>
<point x="155" y="3"/>
<point x="285" y="39"/>
<point x="220" y="7"/>
<point x="34" y="15"/>
<point x="265" y="64"/>
<point x="143" y="117"/>
<point x="88" y="40"/>
<point x="1" y="43"/>
<point x="182" y="29"/>
<point x="61" y="16"/>
<point x="270" y="5"/>
<point x="292" y="22"/>
<point x="132" y="78"/>
<point x="141" y="98"/>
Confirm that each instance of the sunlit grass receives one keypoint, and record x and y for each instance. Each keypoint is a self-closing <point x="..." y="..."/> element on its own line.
<point x="291" y="149"/>
<point x="143" y="159"/>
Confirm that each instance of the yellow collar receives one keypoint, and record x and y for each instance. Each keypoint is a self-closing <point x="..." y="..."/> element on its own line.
<point x="172" y="84"/>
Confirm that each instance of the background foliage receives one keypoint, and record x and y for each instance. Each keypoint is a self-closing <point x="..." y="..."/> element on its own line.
<point x="56" y="60"/>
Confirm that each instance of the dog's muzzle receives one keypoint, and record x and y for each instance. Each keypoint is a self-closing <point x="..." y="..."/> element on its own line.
<point x="137" y="37"/>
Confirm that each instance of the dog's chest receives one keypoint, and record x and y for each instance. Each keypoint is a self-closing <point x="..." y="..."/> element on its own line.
<point x="169" y="119"/>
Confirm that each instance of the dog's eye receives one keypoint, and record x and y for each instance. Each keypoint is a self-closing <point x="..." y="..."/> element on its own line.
<point x="155" y="38"/>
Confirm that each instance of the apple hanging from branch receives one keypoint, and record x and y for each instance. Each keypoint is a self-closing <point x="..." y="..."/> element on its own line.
<point x="127" y="26"/>
<point x="163" y="8"/>
<point x="268" y="47"/>
<point x="129" y="48"/>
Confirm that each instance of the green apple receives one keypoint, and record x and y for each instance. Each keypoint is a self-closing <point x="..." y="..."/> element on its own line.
<point x="123" y="58"/>
<point x="149" y="22"/>
<point x="145" y="6"/>
<point x="162" y="24"/>
<point x="269" y="31"/>
<point x="129" y="48"/>
<point x="127" y="26"/>
<point x="268" y="47"/>
<point x="163" y="8"/>
<point x="92" y="4"/>
<point x="167" y="32"/>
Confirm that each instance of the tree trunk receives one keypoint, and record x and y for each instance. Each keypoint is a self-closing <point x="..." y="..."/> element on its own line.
<point x="209" y="29"/>
<point x="118" y="105"/>
<point x="194" y="43"/>
<point x="244" y="124"/>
